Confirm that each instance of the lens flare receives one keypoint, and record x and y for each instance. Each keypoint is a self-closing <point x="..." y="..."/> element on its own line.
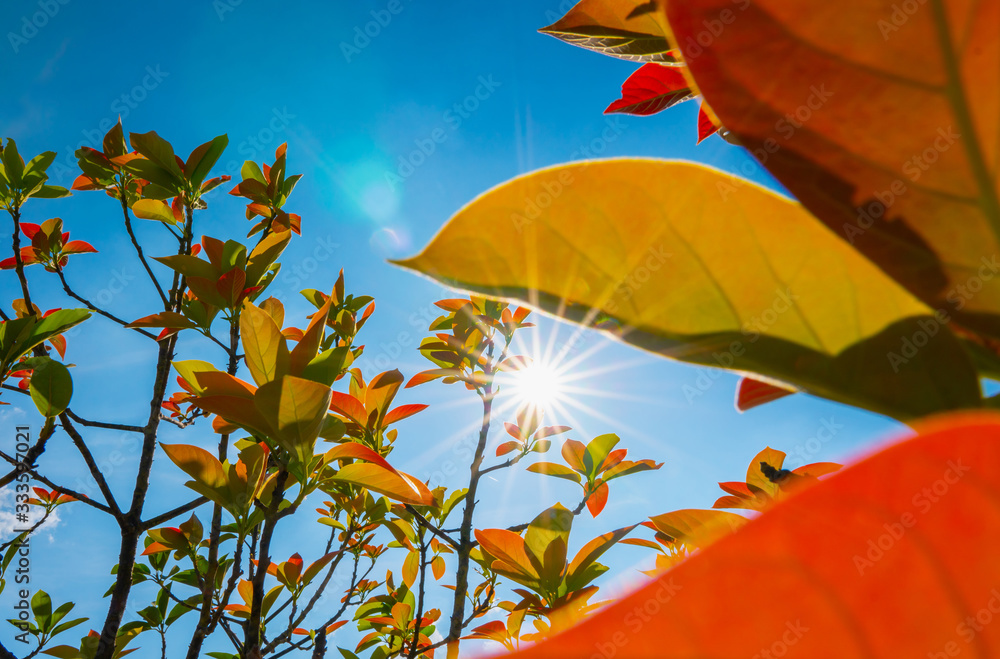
<point x="539" y="385"/>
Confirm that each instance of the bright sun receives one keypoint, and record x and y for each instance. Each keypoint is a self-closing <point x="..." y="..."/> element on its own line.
<point x="539" y="385"/>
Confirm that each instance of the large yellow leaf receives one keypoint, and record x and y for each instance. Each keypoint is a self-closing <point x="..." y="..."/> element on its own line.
<point x="266" y="350"/>
<point x="750" y="281"/>
<point x="296" y="409"/>
<point x="894" y="557"/>
<point x="883" y="118"/>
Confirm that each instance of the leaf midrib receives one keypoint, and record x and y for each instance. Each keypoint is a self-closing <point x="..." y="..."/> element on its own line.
<point x="954" y="91"/>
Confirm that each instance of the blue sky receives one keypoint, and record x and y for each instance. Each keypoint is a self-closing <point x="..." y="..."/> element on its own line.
<point x="355" y="111"/>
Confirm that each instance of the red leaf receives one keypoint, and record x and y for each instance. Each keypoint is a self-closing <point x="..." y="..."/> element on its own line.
<point x="706" y="127"/>
<point x="30" y="229"/>
<point x="750" y="393"/>
<point x="651" y="89"/>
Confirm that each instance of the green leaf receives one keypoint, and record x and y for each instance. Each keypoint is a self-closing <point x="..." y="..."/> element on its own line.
<point x="264" y="255"/>
<point x="251" y="171"/>
<point x="553" y="469"/>
<point x="203" y="158"/>
<point x="180" y="609"/>
<point x="69" y="624"/>
<point x="546" y="541"/>
<point x="639" y="245"/>
<point x="40" y="163"/>
<point x="13" y="164"/>
<point x="158" y="151"/>
<point x="597" y="450"/>
<point x="41" y="607"/>
<point x="154" y="209"/>
<point x="157" y="175"/>
<point x="51" y="386"/>
<point x="50" y="192"/>
<point x="190" y="266"/>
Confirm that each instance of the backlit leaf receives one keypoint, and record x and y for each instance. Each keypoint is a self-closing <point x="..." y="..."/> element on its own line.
<point x="888" y="134"/>
<point x="651" y="89"/>
<point x="780" y="296"/>
<point x="816" y="589"/>
<point x="627" y="29"/>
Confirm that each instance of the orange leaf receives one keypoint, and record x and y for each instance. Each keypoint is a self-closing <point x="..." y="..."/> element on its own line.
<point x="393" y="484"/>
<point x="597" y="500"/>
<point x="402" y="412"/>
<point x="348" y="406"/>
<point x="508" y="547"/>
<point x="795" y="82"/>
<point x="917" y="555"/>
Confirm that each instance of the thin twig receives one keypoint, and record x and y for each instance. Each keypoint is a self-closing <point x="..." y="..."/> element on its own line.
<point x="170" y="514"/>
<point x="424" y="522"/>
<point x="83" y="498"/>
<point x="102" y="424"/>
<point x="95" y="309"/>
<point x="88" y="457"/>
<point x="138" y="248"/>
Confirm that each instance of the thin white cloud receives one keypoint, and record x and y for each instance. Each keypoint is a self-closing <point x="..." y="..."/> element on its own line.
<point x="9" y="522"/>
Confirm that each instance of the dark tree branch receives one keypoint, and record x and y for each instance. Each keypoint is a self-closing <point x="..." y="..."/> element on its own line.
<point x="88" y="457"/>
<point x="424" y="522"/>
<point x="153" y="522"/>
